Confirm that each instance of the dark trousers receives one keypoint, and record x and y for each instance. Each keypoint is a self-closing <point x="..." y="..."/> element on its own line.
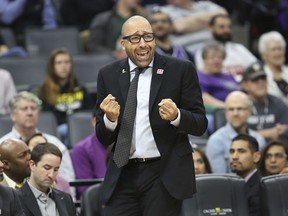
<point x="140" y="192"/>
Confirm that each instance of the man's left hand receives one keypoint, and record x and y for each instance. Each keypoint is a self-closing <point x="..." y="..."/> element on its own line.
<point x="168" y="109"/>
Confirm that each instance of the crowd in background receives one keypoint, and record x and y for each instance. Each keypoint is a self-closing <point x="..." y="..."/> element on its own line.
<point x="248" y="81"/>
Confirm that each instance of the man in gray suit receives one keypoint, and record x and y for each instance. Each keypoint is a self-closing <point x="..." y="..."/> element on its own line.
<point x="9" y="202"/>
<point x="37" y="195"/>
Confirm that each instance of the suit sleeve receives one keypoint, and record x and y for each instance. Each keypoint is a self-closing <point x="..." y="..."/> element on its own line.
<point x="105" y="136"/>
<point x="193" y="120"/>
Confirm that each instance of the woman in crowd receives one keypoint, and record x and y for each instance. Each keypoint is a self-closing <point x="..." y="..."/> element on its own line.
<point x="274" y="158"/>
<point x="61" y="92"/>
<point x="214" y="83"/>
<point x="272" y="47"/>
<point x="201" y="162"/>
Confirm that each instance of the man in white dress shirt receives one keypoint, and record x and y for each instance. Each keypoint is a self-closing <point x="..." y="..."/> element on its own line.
<point x="24" y="113"/>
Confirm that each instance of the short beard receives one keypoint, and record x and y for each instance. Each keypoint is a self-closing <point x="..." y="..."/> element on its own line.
<point x="162" y="37"/>
<point x="238" y="172"/>
<point x="221" y="38"/>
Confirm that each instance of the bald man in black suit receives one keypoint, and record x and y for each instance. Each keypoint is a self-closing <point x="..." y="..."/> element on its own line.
<point x="159" y="173"/>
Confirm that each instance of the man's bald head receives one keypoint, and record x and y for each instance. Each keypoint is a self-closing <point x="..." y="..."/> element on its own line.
<point x="138" y="41"/>
<point x="134" y="21"/>
<point x="238" y="110"/>
<point x="7" y="147"/>
<point x="15" y="156"/>
<point x="238" y="96"/>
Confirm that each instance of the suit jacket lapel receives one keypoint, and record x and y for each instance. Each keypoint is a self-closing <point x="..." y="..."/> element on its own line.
<point x="124" y="78"/>
<point x="158" y="73"/>
<point x="60" y="203"/>
<point x="30" y="200"/>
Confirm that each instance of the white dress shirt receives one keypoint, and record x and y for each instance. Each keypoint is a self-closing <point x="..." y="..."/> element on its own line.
<point x="143" y="144"/>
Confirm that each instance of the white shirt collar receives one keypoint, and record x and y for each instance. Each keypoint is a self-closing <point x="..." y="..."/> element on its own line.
<point x="133" y="66"/>
<point x="246" y="179"/>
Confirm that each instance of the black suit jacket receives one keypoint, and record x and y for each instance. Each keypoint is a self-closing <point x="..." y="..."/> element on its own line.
<point x="178" y="81"/>
<point x="64" y="202"/>
<point x="9" y="202"/>
<point x="252" y="192"/>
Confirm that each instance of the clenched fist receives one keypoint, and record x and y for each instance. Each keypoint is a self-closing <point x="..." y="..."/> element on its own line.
<point x="111" y="108"/>
<point x="168" y="109"/>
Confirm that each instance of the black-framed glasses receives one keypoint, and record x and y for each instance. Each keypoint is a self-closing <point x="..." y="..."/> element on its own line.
<point x="238" y="109"/>
<point x="136" y="38"/>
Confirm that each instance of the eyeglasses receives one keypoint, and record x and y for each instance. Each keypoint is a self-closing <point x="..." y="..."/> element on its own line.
<point x="134" y="39"/>
<point x="276" y="156"/>
<point x="238" y="109"/>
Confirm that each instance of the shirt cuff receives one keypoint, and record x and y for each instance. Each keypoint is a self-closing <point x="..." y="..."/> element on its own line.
<point x="176" y="122"/>
<point x="110" y="125"/>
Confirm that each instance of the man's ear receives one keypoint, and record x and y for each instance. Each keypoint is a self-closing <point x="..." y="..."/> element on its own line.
<point x="256" y="157"/>
<point x="122" y="43"/>
<point x="6" y="164"/>
<point x="32" y="165"/>
<point x="12" y="117"/>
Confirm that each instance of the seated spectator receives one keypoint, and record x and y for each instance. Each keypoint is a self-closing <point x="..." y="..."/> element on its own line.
<point x="269" y="113"/>
<point x="61" y="93"/>
<point x="237" y="111"/>
<point x="190" y="21"/>
<point x="10" y="52"/>
<point x="238" y="57"/>
<point x="274" y="158"/>
<point x="261" y="16"/>
<point x="201" y="162"/>
<point x="162" y="27"/>
<point x="272" y="47"/>
<point x="11" y="10"/>
<point x="105" y="28"/>
<point x="191" y="16"/>
<point x="9" y="201"/>
<point x="37" y="194"/>
<point x="214" y="84"/>
<point x="24" y="113"/>
<point x="15" y="155"/>
<point x="7" y="91"/>
<point x="80" y="13"/>
<point x="89" y="158"/>
<point x="21" y="14"/>
<point x="244" y="157"/>
<point x="60" y="183"/>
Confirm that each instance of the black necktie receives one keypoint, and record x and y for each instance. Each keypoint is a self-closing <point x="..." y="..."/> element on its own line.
<point x="123" y="145"/>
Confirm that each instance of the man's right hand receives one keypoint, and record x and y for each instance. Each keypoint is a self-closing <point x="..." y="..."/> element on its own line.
<point x="111" y="108"/>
